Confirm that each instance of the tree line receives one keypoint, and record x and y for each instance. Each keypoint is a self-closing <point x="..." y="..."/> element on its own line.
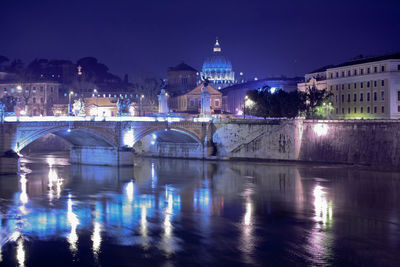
<point x="312" y="103"/>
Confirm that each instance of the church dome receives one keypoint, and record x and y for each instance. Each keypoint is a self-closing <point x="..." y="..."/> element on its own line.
<point x="217" y="61"/>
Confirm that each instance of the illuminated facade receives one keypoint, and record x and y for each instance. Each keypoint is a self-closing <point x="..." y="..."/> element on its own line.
<point x="33" y="99"/>
<point x="191" y="101"/>
<point x="367" y="88"/>
<point x="218" y="69"/>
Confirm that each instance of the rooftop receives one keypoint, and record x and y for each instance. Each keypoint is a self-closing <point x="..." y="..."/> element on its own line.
<point x="182" y="67"/>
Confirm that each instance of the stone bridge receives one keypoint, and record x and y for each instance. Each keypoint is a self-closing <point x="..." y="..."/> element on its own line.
<point x="116" y="142"/>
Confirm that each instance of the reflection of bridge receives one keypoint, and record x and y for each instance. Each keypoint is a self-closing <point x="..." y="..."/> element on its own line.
<point x="112" y="141"/>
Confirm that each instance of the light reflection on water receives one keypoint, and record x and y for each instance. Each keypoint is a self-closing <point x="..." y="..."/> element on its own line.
<point x="170" y="211"/>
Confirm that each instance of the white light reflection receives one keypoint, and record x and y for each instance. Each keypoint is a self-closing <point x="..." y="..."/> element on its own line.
<point x="143" y="227"/>
<point x="154" y="177"/>
<point x="323" y="209"/>
<point x="73" y="220"/>
<point x="130" y="190"/>
<point x="20" y="252"/>
<point x="247" y="240"/>
<point x="96" y="238"/>
<point x="168" y="243"/>
<point x="320" y="240"/>
<point x="23" y="196"/>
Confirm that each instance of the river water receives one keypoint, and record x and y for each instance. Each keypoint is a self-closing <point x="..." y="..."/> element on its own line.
<point x="173" y="212"/>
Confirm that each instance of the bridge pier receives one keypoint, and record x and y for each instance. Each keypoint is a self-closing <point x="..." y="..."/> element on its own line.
<point x="106" y="156"/>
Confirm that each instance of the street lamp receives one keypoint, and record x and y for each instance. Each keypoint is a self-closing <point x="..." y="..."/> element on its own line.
<point x="97" y="105"/>
<point x="244" y="106"/>
<point x="69" y="103"/>
<point x="141" y="105"/>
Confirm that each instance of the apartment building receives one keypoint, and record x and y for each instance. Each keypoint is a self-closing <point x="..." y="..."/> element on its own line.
<point x="33" y="99"/>
<point x="367" y="88"/>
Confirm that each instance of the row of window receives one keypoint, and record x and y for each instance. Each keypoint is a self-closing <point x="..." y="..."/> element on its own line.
<point x="368" y="85"/>
<point x="12" y="90"/>
<point x="362" y="110"/>
<point x="361" y="99"/>
<point x="192" y="102"/>
<point x="354" y="72"/>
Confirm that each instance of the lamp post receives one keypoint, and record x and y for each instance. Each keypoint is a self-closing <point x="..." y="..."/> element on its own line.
<point x="69" y="103"/>
<point x="141" y="105"/>
<point x="97" y="105"/>
<point x="244" y="106"/>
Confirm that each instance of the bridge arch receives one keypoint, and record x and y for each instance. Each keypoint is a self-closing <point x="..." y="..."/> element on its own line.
<point x="148" y="131"/>
<point x="77" y="136"/>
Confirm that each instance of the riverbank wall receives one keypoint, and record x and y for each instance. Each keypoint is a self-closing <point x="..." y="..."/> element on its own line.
<point x="367" y="142"/>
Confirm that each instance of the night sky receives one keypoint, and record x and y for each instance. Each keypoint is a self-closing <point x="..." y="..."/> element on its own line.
<point x="261" y="38"/>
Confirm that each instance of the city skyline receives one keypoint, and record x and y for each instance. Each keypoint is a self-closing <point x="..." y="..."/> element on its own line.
<point x="149" y="37"/>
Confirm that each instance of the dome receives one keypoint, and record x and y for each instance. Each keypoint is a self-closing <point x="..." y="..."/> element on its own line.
<point x="217" y="61"/>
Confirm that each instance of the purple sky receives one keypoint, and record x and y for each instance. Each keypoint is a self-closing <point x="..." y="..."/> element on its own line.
<point x="261" y="38"/>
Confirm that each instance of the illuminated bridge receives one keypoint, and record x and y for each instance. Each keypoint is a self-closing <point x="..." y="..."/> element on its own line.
<point x="115" y="141"/>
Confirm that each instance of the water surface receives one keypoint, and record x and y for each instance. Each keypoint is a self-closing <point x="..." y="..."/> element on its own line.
<point x="188" y="212"/>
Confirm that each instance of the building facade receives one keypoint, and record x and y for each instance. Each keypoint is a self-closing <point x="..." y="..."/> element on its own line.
<point x="218" y="68"/>
<point x="190" y="102"/>
<point x="181" y="79"/>
<point x="33" y="99"/>
<point x="367" y="88"/>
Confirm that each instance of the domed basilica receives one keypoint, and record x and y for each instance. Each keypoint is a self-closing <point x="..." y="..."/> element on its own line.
<point x="218" y="69"/>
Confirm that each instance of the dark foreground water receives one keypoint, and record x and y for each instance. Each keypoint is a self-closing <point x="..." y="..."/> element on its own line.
<point x="168" y="212"/>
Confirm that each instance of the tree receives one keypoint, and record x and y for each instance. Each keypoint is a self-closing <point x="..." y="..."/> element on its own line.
<point x="3" y="59"/>
<point x="312" y="98"/>
<point x="277" y="104"/>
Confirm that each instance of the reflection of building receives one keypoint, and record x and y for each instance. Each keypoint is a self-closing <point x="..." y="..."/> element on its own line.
<point x="363" y="87"/>
<point x="34" y="99"/>
<point x="233" y="96"/>
<point x="218" y="69"/>
<point x="181" y="78"/>
<point x="190" y="102"/>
